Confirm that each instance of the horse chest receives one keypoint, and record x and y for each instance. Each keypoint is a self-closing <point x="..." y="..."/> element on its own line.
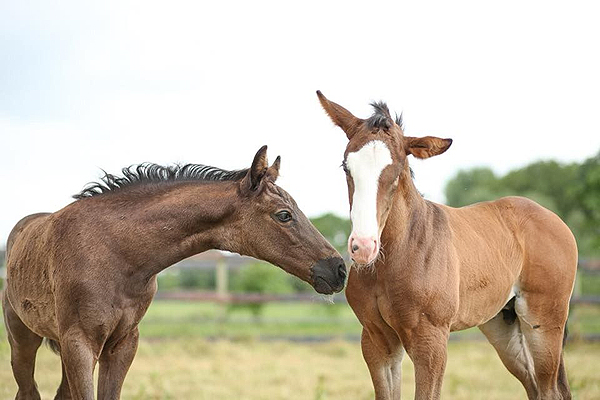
<point x="135" y="306"/>
<point x="387" y="312"/>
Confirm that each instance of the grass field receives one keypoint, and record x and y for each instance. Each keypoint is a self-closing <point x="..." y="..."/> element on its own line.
<point x="200" y="369"/>
<point x="179" y="358"/>
<point x="175" y="319"/>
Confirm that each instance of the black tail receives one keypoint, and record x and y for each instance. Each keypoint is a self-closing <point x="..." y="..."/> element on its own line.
<point x="565" y="335"/>
<point x="53" y="345"/>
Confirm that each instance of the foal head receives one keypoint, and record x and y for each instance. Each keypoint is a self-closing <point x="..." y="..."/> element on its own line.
<point x="272" y="227"/>
<point x="374" y="160"/>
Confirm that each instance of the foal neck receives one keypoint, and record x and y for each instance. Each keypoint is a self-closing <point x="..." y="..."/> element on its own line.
<point x="407" y="205"/>
<point x="175" y="223"/>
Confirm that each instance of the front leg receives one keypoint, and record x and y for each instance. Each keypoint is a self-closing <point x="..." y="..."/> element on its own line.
<point x="426" y="346"/>
<point x="78" y="357"/>
<point x="63" y="392"/>
<point x="115" y="361"/>
<point x="384" y="365"/>
<point x="381" y="345"/>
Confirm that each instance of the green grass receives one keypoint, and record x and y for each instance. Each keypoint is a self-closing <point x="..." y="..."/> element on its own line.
<point x="172" y="319"/>
<point x="590" y="283"/>
<point x="584" y="320"/>
<point x="181" y="319"/>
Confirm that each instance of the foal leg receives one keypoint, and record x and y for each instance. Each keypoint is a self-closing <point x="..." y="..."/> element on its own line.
<point x="114" y="364"/>
<point x="543" y="320"/>
<point x="23" y="348"/>
<point x="63" y="392"/>
<point x="427" y="347"/>
<point x="79" y="361"/>
<point x="384" y="362"/>
<point x="563" y="383"/>
<point x="508" y="340"/>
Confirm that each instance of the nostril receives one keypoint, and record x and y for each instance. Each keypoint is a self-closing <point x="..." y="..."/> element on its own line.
<point x="354" y="247"/>
<point x="342" y="271"/>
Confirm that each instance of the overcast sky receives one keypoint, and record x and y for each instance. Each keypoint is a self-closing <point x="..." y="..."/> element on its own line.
<point x="113" y="83"/>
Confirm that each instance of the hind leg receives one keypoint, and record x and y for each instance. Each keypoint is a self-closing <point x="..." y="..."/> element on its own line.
<point x="543" y="319"/>
<point x="507" y="339"/>
<point x="563" y="383"/>
<point x="23" y="348"/>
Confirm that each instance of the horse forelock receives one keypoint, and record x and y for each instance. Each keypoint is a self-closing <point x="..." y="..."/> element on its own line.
<point x="381" y="118"/>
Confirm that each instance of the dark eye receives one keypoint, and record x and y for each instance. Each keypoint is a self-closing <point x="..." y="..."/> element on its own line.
<point x="345" y="167"/>
<point x="284" y="216"/>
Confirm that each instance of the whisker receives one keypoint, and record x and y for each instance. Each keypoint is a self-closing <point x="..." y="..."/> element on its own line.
<point x="381" y="253"/>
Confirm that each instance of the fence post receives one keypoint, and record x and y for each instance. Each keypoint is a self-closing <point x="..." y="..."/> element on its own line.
<point x="222" y="279"/>
<point x="222" y="283"/>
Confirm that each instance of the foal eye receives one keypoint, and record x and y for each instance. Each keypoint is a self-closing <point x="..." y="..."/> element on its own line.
<point x="284" y="216"/>
<point x="345" y="167"/>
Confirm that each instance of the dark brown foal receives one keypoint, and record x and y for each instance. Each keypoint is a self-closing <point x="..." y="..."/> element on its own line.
<point x="84" y="276"/>
<point x="506" y="266"/>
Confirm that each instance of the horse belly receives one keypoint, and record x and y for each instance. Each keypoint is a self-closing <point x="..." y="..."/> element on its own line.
<point x="482" y="300"/>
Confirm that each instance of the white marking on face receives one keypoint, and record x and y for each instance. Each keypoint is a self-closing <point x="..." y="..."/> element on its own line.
<point x="365" y="166"/>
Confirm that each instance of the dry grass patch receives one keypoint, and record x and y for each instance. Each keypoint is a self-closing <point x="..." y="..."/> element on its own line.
<point x="250" y="370"/>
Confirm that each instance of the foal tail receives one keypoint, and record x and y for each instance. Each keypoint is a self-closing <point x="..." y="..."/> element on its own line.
<point x="53" y="345"/>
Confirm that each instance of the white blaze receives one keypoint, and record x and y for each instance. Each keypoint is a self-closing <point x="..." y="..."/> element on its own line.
<point x="365" y="166"/>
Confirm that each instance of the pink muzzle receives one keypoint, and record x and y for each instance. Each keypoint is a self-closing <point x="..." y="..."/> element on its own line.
<point x="363" y="250"/>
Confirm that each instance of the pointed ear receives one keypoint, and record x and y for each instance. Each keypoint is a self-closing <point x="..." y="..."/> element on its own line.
<point x="339" y="115"/>
<point x="273" y="171"/>
<point x="426" y="147"/>
<point x="257" y="171"/>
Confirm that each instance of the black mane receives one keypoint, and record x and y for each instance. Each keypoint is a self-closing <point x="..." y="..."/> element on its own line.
<point x="154" y="173"/>
<point x="381" y="118"/>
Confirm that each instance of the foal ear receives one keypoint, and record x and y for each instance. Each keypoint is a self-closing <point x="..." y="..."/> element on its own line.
<point x="273" y="171"/>
<point x="257" y="171"/>
<point x="426" y="147"/>
<point x="339" y="115"/>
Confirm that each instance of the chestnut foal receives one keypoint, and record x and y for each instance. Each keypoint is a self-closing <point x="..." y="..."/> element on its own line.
<point x="84" y="276"/>
<point x="505" y="266"/>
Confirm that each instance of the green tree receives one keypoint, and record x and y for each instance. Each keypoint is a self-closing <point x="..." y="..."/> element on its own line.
<point x="259" y="277"/>
<point x="550" y="179"/>
<point x="586" y="196"/>
<point x="335" y="229"/>
<point x="471" y="186"/>
<point x="195" y="278"/>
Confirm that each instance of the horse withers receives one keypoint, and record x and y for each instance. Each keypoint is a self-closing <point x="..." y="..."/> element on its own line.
<point x="84" y="276"/>
<point x="424" y="269"/>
